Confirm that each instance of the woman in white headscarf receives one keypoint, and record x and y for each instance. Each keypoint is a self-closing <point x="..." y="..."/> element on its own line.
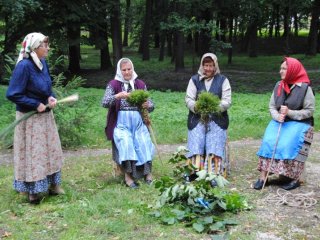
<point x="206" y="144"/>
<point x="132" y="147"/>
<point x="37" y="147"/>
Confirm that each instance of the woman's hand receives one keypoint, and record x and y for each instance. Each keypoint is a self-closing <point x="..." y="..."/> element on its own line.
<point x="145" y="105"/>
<point x="52" y="102"/>
<point x="122" y="95"/>
<point x="283" y="113"/>
<point x="41" y="107"/>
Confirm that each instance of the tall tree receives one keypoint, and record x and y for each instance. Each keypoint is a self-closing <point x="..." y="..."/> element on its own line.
<point x="116" y="31"/>
<point x="126" y="23"/>
<point x="146" y="31"/>
<point x="314" y="30"/>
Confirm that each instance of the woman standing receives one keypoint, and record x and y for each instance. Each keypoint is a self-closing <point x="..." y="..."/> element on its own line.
<point x="206" y="144"/>
<point x="37" y="147"/>
<point x="291" y="106"/>
<point x="132" y="147"/>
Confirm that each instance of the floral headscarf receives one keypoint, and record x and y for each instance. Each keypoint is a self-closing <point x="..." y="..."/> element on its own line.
<point x="31" y="42"/>
<point x="119" y="76"/>
<point x="295" y="74"/>
<point x="215" y="60"/>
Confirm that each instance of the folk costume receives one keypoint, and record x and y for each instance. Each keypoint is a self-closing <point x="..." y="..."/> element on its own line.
<point x="37" y="149"/>
<point x="296" y="133"/>
<point x="132" y="147"/>
<point x="205" y="142"/>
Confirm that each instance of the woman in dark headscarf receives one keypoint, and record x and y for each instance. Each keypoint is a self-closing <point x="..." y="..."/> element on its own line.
<point x="288" y="137"/>
<point x="37" y="148"/>
<point x="132" y="147"/>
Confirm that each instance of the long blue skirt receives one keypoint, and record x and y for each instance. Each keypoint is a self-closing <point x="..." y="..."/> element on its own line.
<point x="40" y="186"/>
<point x="132" y="138"/>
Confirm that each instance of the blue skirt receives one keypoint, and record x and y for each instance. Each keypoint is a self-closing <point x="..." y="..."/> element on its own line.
<point x="132" y="138"/>
<point x="291" y="139"/>
<point x="202" y="141"/>
<point x="40" y="186"/>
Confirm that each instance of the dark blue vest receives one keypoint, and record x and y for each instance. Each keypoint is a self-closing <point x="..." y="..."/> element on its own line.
<point x="221" y="119"/>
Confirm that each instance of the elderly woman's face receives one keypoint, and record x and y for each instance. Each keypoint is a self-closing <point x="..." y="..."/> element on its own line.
<point x="209" y="69"/>
<point x="43" y="50"/>
<point x="283" y="70"/>
<point x="126" y="70"/>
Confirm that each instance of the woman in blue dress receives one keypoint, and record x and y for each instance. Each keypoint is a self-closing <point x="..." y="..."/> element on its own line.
<point x="132" y="147"/>
<point x="37" y="148"/>
<point x="206" y="144"/>
<point x="288" y="137"/>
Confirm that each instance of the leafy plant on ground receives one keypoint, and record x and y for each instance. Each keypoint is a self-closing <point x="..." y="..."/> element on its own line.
<point x="196" y="203"/>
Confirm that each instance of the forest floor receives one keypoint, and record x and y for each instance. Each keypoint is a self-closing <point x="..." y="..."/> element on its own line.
<point x="266" y="220"/>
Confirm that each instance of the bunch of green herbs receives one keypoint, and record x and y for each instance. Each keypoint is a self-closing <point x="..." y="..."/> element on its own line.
<point x="207" y="104"/>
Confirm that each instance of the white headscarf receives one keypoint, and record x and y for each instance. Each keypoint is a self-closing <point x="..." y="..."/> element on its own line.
<point x="119" y="76"/>
<point x="31" y="42"/>
<point x="215" y="60"/>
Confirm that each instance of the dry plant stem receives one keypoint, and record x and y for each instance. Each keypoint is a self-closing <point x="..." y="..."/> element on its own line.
<point x="272" y="158"/>
<point x="147" y="121"/>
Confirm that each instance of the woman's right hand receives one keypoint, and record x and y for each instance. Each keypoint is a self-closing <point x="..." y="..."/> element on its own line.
<point x="122" y="95"/>
<point x="41" y="107"/>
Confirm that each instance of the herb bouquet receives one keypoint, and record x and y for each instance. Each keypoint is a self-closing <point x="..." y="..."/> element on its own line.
<point x="207" y="104"/>
<point x="138" y="98"/>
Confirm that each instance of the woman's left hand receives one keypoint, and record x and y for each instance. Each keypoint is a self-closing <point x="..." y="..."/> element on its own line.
<point x="284" y="110"/>
<point x="52" y="102"/>
<point x="145" y="105"/>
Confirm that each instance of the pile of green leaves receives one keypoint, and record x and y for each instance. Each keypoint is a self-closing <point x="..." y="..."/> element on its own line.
<point x="196" y="203"/>
<point x="207" y="104"/>
<point x="138" y="97"/>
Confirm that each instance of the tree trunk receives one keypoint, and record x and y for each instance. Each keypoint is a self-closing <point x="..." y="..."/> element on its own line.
<point x="73" y="33"/>
<point x="230" y="23"/>
<point x="126" y="24"/>
<point x="313" y="40"/>
<point x="179" y="52"/>
<point x="252" y="37"/>
<point x="146" y="31"/>
<point x="162" y="46"/>
<point x="105" y="62"/>
<point x="116" y="32"/>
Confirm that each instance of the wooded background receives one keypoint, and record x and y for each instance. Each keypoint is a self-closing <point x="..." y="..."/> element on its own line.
<point x="172" y="27"/>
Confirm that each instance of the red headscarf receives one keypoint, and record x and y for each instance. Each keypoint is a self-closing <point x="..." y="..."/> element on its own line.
<point x="295" y="74"/>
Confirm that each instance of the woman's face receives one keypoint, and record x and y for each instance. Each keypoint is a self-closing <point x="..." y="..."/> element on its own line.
<point x="43" y="50"/>
<point x="283" y="70"/>
<point x="126" y="70"/>
<point x="209" y="69"/>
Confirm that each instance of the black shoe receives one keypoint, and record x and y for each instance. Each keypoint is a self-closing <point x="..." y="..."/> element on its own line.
<point x="258" y="184"/>
<point x="34" y="199"/>
<point x="213" y="183"/>
<point x="148" y="182"/>
<point x="133" y="185"/>
<point x="291" y="185"/>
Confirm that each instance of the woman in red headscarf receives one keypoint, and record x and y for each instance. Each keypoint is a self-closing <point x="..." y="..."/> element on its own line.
<point x="288" y="137"/>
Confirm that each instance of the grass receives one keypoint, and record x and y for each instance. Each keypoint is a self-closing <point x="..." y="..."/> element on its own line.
<point x="96" y="206"/>
<point x="249" y="116"/>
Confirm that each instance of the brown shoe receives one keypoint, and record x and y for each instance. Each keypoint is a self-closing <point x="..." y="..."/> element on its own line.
<point x="56" y="190"/>
<point x="33" y="199"/>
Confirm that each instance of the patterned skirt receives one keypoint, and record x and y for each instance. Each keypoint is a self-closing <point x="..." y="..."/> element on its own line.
<point x="204" y="143"/>
<point x="289" y="168"/>
<point x="37" y="153"/>
<point x="132" y="147"/>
